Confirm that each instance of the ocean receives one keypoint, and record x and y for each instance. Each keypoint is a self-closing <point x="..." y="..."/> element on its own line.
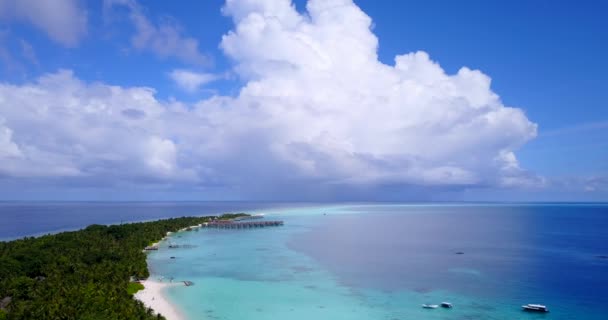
<point x="19" y="219"/>
<point x="373" y="261"/>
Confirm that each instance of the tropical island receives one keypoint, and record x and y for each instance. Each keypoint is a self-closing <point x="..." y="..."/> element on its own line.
<point x="84" y="274"/>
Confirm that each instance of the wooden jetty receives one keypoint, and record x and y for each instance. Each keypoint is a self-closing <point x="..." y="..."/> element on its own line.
<point x="228" y="224"/>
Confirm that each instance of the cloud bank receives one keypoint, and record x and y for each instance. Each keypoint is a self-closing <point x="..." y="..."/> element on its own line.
<point x="319" y="113"/>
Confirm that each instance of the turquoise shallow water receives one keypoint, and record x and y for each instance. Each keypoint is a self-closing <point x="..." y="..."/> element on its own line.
<point x="384" y="261"/>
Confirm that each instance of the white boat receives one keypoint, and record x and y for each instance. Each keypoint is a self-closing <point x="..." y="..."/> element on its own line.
<point x="446" y="305"/>
<point x="535" y="307"/>
<point x="430" y="306"/>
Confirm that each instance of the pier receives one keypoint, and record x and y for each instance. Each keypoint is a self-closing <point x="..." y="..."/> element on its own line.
<point x="227" y="224"/>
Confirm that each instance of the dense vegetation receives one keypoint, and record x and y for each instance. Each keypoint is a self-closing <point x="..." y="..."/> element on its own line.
<point x="83" y="274"/>
<point x="133" y="287"/>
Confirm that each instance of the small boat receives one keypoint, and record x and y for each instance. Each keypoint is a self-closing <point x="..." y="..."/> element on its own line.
<point x="446" y="305"/>
<point x="535" y="307"/>
<point x="430" y="306"/>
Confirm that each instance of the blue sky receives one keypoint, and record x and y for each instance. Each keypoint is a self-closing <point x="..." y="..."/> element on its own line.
<point x="545" y="59"/>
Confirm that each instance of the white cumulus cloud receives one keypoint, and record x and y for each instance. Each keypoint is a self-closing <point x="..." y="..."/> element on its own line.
<point x="341" y="113"/>
<point x="318" y="114"/>
<point x="61" y="126"/>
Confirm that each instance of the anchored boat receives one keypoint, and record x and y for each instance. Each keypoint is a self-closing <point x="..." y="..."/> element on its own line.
<point x="430" y="306"/>
<point x="535" y="307"/>
<point x="446" y="305"/>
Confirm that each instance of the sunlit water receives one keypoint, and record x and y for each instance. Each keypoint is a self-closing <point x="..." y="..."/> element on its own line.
<point x="384" y="261"/>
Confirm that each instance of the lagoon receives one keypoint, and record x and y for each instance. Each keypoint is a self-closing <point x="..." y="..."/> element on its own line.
<point x="382" y="261"/>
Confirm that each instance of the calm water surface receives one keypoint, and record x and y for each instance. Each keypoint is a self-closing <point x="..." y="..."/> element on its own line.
<point x="384" y="261"/>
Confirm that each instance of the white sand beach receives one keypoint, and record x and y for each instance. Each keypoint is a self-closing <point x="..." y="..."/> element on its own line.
<point x="153" y="298"/>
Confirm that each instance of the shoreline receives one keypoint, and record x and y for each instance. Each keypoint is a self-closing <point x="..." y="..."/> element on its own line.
<point x="152" y="294"/>
<point x="152" y="297"/>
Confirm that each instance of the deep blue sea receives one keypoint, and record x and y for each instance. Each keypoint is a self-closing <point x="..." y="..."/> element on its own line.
<point x="368" y="261"/>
